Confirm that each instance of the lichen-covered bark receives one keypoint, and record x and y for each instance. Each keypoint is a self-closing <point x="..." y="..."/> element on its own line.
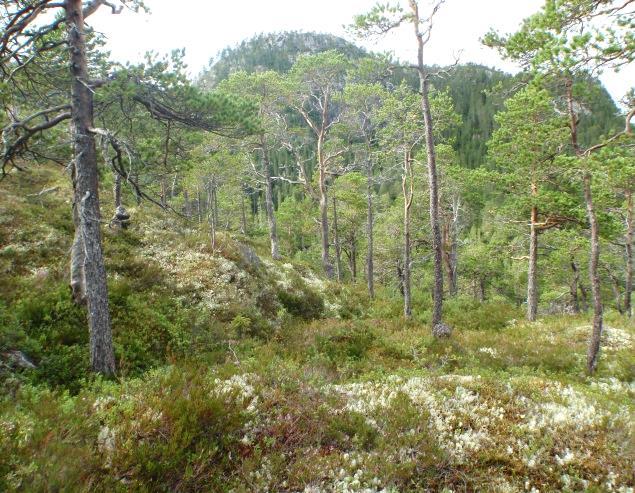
<point x="102" y="356"/>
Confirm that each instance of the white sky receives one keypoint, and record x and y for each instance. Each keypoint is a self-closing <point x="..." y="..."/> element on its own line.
<point x="204" y="27"/>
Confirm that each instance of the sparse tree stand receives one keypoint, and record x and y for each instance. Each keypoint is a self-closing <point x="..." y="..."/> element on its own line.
<point x="564" y="41"/>
<point x="382" y="19"/>
<point x="87" y="249"/>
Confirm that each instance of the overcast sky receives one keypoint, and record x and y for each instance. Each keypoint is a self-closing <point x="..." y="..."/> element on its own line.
<point x="204" y="27"/>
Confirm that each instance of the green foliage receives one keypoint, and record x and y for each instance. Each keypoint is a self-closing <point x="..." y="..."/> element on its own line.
<point x="306" y="304"/>
<point x="351" y="342"/>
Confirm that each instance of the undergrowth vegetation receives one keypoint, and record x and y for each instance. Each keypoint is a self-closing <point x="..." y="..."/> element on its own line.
<point x="243" y="374"/>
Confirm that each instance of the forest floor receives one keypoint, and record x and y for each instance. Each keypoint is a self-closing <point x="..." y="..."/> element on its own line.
<point x="240" y="374"/>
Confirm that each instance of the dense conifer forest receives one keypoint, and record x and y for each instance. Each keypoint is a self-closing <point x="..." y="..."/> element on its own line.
<point x="312" y="267"/>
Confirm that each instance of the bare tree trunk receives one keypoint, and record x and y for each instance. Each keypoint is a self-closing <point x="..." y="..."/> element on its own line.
<point x="212" y="215"/>
<point x="338" y="249"/>
<point x="166" y="150"/>
<point x="102" y="356"/>
<point x="173" y="187"/>
<point x="400" y="277"/>
<point x="532" y="280"/>
<point x="164" y="192"/>
<point x="594" y="259"/>
<point x="407" y="186"/>
<point x="324" y="217"/>
<point x="271" y="218"/>
<point x="116" y="190"/>
<point x="424" y="85"/>
<point x="454" y="239"/>
<point x="615" y="286"/>
<point x="136" y="192"/>
<point x="215" y="209"/>
<point x="629" y="254"/>
<point x="450" y="256"/>
<point x="370" y="268"/>
<point x="575" y="303"/>
<point x="354" y="259"/>
<point x="594" y="276"/>
<point x="187" y="204"/>
<point x="199" y="204"/>
<point x="243" y="215"/>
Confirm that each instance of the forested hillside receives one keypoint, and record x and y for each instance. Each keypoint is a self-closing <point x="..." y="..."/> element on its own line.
<point x="478" y="92"/>
<point x="313" y="268"/>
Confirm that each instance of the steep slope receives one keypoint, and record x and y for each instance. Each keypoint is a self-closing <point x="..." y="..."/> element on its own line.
<point x="169" y="293"/>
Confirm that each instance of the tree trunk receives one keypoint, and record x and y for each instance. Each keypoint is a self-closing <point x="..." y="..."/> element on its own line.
<point x="400" y="277"/>
<point x="629" y="254"/>
<point x="102" y="357"/>
<point x="481" y="290"/>
<point x="408" y="191"/>
<point x="594" y="276"/>
<point x="271" y="218"/>
<point x="164" y="192"/>
<point x="449" y="256"/>
<point x="532" y="280"/>
<point x="116" y="190"/>
<point x="77" y="274"/>
<point x="173" y="187"/>
<point x="186" y="203"/>
<point x="354" y="259"/>
<point x="243" y="215"/>
<point x="324" y="216"/>
<point x="437" y="290"/>
<point x="584" y="298"/>
<point x="199" y="204"/>
<point x="212" y="217"/>
<point x="370" y="268"/>
<point x="615" y="286"/>
<point x="575" y="303"/>
<point x="424" y="85"/>
<point x="336" y="238"/>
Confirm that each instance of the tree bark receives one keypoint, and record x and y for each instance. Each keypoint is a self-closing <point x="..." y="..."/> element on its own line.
<point x="575" y="303"/>
<point x="77" y="273"/>
<point x="102" y="357"/>
<point x="338" y="249"/>
<point x="424" y="85"/>
<point x="370" y="268"/>
<point x="186" y="203"/>
<point x="596" y="335"/>
<point x="629" y="254"/>
<point x="213" y="218"/>
<point x="116" y="190"/>
<point x="243" y="215"/>
<point x="532" y="270"/>
<point x="271" y="217"/>
<point x="199" y="204"/>
<point x="408" y="192"/>
<point x="324" y="216"/>
<point x="594" y="276"/>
